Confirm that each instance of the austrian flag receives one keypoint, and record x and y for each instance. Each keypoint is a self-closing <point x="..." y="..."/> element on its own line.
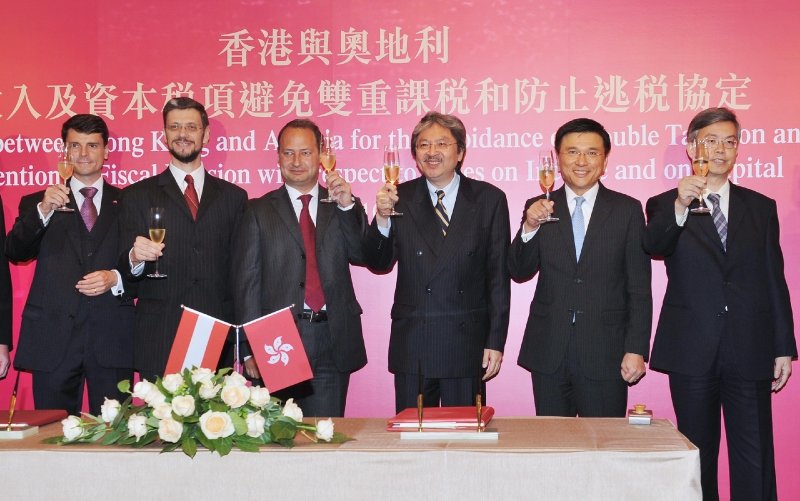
<point x="198" y="342"/>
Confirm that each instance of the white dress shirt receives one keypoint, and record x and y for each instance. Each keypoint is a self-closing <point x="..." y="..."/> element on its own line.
<point x="449" y="200"/>
<point x="590" y="197"/>
<point x="724" y="203"/>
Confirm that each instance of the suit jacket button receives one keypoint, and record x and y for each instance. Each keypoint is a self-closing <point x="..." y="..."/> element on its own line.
<point x="578" y="281"/>
<point x="303" y="256"/>
<point x="195" y="281"/>
<point x="80" y="263"/>
<point x="89" y="254"/>
<point x="462" y="324"/>
<point x="428" y="290"/>
<point x="461" y="292"/>
<point x="419" y="253"/>
<point x="71" y="316"/>
<point x="720" y="313"/>
<point x="470" y="253"/>
<point x="195" y="250"/>
<point x="302" y="284"/>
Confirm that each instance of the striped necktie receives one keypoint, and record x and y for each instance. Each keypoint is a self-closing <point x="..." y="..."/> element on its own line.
<point x="719" y="220"/>
<point x="441" y="212"/>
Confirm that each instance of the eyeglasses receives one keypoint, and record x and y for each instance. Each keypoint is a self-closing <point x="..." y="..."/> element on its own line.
<point x="729" y="143"/>
<point x="190" y="127"/>
<point x="592" y="154"/>
<point x="437" y="145"/>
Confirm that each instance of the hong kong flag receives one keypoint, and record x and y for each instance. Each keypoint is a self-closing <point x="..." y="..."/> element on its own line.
<point x="198" y="342"/>
<point x="279" y="352"/>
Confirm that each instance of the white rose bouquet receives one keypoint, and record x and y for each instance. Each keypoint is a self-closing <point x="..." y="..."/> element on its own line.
<point x="196" y="407"/>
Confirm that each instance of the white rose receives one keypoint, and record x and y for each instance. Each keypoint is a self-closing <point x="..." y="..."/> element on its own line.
<point x="183" y="405"/>
<point x="202" y="375"/>
<point x="172" y="382"/>
<point x="163" y="411"/>
<point x="143" y="388"/>
<point x="155" y="397"/>
<point x="235" y="396"/>
<point x="72" y="428"/>
<point x="290" y="409"/>
<point x="259" y="396"/>
<point x="255" y="424"/>
<point x="235" y="379"/>
<point x="169" y="430"/>
<point x="109" y="410"/>
<point x="137" y="426"/>
<point x="208" y="390"/>
<point x="216" y="425"/>
<point x="325" y="429"/>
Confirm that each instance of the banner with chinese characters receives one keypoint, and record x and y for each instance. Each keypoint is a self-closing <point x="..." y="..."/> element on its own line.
<point x="367" y="71"/>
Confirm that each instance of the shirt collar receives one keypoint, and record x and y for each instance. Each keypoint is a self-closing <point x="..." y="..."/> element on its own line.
<point x="76" y="185"/>
<point x="295" y="194"/>
<point x="724" y="192"/>
<point x="450" y="189"/>
<point x="589" y="197"/>
<point x="199" y="174"/>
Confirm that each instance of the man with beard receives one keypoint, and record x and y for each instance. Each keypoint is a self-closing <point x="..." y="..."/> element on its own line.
<point x="200" y="213"/>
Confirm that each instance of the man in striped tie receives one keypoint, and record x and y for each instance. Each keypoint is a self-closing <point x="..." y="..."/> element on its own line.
<point x="451" y="303"/>
<point x="588" y="333"/>
<point x="725" y="334"/>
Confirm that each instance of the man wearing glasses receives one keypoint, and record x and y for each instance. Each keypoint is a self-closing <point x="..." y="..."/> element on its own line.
<point x="200" y="212"/>
<point x="588" y="333"/>
<point x="725" y="334"/>
<point x="451" y="302"/>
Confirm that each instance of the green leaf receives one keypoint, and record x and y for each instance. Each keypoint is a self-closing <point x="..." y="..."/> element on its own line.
<point x="152" y="421"/>
<point x="283" y="428"/>
<point x="148" y="438"/>
<point x="245" y="446"/>
<point x="205" y="441"/>
<point x="170" y="447"/>
<point x="286" y="442"/>
<point x="222" y="372"/>
<point x="224" y="446"/>
<point x="122" y="410"/>
<point x="217" y="406"/>
<point x="189" y="446"/>
<point x="53" y="440"/>
<point x="111" y="437"/>
<point x="190" y="419"/>
<point x="246" y="438"/>
<point x="339" y="438"/>
<point x="239" y="424"/>
<point x="124" y="386"/>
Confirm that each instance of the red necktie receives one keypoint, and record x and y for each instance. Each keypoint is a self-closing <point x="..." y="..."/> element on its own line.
<point x="88" y="210"/>
<point x="190" y="194"/>
<point x="315" y="299"/>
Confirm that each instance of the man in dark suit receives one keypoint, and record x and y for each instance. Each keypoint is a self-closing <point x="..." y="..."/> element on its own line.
<point x="74" y="329"/>
<point x="291" y="249"/>
<point x="588" y="332"/>
<point x="726" y="334"/>
<point x="6" y="301"/>
<point x="200" y="214"/>
<point x="452" y="298"/>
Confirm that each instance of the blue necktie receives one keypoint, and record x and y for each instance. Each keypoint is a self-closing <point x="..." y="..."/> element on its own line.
<point x="578" y="227"/>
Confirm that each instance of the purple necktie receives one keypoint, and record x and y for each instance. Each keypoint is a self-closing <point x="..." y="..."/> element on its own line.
<point x="88" y="210"/>
<point x="315" y="299"/>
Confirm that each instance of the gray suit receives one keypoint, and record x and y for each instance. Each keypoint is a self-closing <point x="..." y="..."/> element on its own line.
<point x="268" y="274"/>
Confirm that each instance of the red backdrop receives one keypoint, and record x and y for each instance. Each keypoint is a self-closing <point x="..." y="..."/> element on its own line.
<point x="513" y="71"/>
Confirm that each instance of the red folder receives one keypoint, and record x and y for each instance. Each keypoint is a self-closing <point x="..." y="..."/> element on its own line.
<point x="441" y="419"/>
<point x="34" y="418"/>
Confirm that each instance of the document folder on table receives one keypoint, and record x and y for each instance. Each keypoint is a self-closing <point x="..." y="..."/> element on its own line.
<point x="27" y="423"/>
<point x="441" y="419"/>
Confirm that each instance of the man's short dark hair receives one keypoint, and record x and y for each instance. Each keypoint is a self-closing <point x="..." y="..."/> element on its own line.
<point x="185" y="103"/>
<point x="85" y="124"/>
<point x="449" y="122"/>
<point x="580" y="126"/>
<point x="709" y="117"/>
<point x="302" y="123"/>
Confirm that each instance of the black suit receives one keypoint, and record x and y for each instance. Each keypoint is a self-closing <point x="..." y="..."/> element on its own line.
<point x="269" y="273"/>
<point x="196" y="260"/>
<point x="726" y="317"/>
<point x="6" y="295"/>
<point x="66" y="336"/>
<point x="586" y="314"/>
<point x="452" y="297"/>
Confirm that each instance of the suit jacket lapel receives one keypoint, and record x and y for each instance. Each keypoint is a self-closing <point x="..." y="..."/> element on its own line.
<point x="109" y="209"/>
<point x="72" y="224"/>
<point x="462" y="220"/>
<point x="167" y="182"/>
<point x="603" y="205"/>
<point x="737" y="208"/>
<point x="283" y="206"/>
<point x="211" y="191"/>
<point x="706" y="221"/>
<point x="561" y="211"/>
<point x="324" y="215"/>
<point x="420" y="209"/>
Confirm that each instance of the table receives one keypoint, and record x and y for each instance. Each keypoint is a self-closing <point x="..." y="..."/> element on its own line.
<point x="534" y="458"/>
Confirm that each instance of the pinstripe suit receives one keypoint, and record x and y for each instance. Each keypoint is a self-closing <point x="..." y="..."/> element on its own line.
<point x="453" y="293"/>
<point x="196" y="260"/>
<point x="6" y="297"/>
<point x="607" y="291"/>
<point x="56" y="317"/>
<point x="269" y="273"/>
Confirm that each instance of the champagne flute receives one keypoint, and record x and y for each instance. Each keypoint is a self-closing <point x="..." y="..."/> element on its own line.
<point x="547" y="178"/>
<point x="700" y="167"/>
<point x="391" y="169"/>
<point x="157" y="234"/>
<point x="327" y="157"/>
<point x="65" y="168"/>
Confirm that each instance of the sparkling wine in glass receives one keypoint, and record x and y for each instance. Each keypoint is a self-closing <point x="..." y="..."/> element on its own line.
<point x="547" y="178"/>
<point x="327" y="157"/>
<point x="700" y="167"/>
<point x="157" y="234"/>
<point x="65" y="168"/>
<point x="391" y="169"/>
